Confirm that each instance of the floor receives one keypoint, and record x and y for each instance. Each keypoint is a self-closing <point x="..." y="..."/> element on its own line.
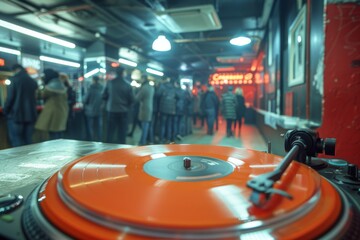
<point x="249" y="137"/>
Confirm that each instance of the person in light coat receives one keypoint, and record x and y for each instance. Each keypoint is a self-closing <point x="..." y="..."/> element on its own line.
<point x="145" y="96"/>
<point x="53" y="117"/>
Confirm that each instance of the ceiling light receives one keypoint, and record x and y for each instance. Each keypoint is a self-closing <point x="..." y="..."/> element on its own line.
<point x="59" y="61"/>
<point x="161" y="44"/>
<point x="127" y="62"/>
<point x="95" y="71"/>
<point x="36" y="34"/>
<point x="240" y="41"/>
<point x="152" y="71"/>
<point x="9" y="50"/>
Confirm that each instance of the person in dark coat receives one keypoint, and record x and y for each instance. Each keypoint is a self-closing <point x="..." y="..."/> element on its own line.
<point x="181" y="105"/>
<point x="133" y="114"/>
<point x="145" y="97"/>
<point x="167" y="108"/>
<point x="228" y="107"/>
<point x="189" y="110"/>
<point x="154" y="130"/>
<point x="93" y="104"/>
<point x="240" y="108"/>
<point x="210" y="105"/>
<point x="20" y="107"/>
<point x="119" y="97"/>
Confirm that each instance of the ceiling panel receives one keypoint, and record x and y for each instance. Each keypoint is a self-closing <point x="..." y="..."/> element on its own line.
<point x="134" y="24"/>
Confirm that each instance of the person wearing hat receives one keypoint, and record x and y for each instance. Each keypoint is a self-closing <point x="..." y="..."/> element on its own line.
<point x="20" y="107"/>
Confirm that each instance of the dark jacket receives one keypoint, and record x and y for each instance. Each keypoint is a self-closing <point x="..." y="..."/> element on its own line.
<point x="167" y="102"/>
<point x="181" y="101"/>
<point x="145" y="96"/>
<point x="228" y="105"/>
<point x="93" y="100"/>
<point x="210" y="101"/>
<point x="118" y="95"/>
<point x="189" y="103"/>
<point x="240" y="106"/>
<point x="20" y="104"/>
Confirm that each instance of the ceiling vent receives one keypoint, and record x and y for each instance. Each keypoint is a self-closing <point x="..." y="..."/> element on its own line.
<point x="190" y="19"/>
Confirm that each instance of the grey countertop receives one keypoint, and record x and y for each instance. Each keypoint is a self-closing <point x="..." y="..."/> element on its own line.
<point x="24" y="166"/>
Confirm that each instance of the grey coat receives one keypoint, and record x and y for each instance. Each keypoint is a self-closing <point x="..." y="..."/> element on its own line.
<point x="146" y="97"/>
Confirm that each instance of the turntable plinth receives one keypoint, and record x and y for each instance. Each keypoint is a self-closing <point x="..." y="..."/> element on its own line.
<point x="147" y="192"/>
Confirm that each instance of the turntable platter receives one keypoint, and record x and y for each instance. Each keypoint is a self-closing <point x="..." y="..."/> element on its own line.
<point x="154" y="191"/>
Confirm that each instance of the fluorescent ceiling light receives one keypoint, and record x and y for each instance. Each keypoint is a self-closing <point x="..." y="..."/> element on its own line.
<point x="92" y="72"/>
<point x="35" y="34"/>
<point x="9" y="50"/>
<point x="240" y="41"/>
<point x="127" y="62"/>
<point x="95" y="71"/>
<point x="150" y="70"/>
<point x="161" y="44"/>
<point x="59" y="61"/>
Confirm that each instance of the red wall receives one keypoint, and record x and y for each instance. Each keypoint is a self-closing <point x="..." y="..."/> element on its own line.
<point x="341" y="106"/>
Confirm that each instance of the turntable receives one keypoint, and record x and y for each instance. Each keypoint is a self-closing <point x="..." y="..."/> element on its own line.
<point x="198" y="192"/>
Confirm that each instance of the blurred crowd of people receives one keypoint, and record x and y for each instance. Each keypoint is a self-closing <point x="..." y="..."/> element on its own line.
<point x="163" y="111"/>
<point x="20" y="106"/>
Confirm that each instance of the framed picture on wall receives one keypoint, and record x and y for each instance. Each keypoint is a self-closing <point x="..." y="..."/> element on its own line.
<point x="270" y="44"/>
<point x="297" y="44"/>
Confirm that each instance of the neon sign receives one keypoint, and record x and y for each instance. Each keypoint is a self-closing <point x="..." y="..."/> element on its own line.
<point x="231" y="78"/>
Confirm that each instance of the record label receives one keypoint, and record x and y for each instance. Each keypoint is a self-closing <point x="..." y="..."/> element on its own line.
<point x="200" y="168"/>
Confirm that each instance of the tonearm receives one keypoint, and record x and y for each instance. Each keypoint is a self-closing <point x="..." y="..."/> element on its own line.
<point x="301" y="145"/>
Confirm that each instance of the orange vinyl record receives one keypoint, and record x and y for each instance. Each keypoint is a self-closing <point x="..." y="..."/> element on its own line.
<point x="185" y="192"/>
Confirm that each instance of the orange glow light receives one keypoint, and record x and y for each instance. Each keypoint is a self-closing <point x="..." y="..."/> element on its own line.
<point x="114" y="64"/>
<point x="225" y="69"/>
<point x="266" y="78"/>
<point x="2" y="62"/>
<point x="81" y="79"/>
<point x="231" y="78"/>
